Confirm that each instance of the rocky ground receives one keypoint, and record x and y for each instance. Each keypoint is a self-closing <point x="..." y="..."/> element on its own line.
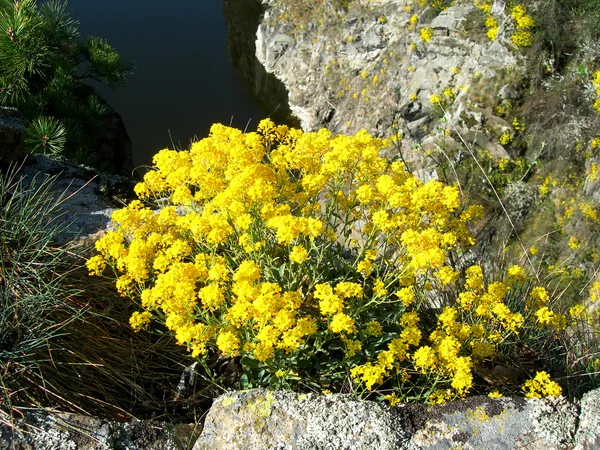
<point x="259" y="419"/>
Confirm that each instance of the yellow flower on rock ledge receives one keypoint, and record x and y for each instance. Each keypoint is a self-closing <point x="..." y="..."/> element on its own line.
<point x="541" y="386"/>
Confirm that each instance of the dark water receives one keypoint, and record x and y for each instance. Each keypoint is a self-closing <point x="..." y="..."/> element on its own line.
<point x="183" y="80"/>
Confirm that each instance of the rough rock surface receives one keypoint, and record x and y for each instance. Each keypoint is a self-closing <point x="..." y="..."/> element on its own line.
<point x="277" y="420"/>
<point x="371" y="67"/>
<point x="281" y="420"/>
<point x="588" y="434"/>
<point x="75" y="432"/>
<point x="12" y="134"/>
<point x="272" y="420"/>
<point x="88" y="196"/>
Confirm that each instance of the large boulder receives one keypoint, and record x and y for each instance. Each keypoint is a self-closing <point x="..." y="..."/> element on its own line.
<point x="110" y="150"/>
<point x="261" y="419"/>
<point x="280" y="420"/>
<point x="12" y="136"/>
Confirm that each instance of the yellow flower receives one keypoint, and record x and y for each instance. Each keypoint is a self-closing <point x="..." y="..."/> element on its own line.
<point x="409" y="319"/>
<point x="541" y="386"/>
<point x="392" y="399"/>
<point x="342" y="323"/>
<point x="299" y="254"/>
<point x="450" y="93"/>
<point x="522" y="38"/>
<point x="506" y="138"/>
<point x="540" y="294"/>
<point x="228" y="343"/>
<point x="247" y="271"/>
<point x="426" y="34"/>
<point x="517" y="273"/>
<point x="447" y="275"/>
<point x="424" y="358"/>
<point x="574" y="243"/>
<point x="139" y="321"/>
<point x="474" y="280"/>
<point x="406" y="295"/>
<point x="379" y="289"/>
<point x="437" y="100"/>
<point x="462" y="381"/>
<point x="352" y="347"/>
<point x="595" y="292"/>
<point x="495" y="394"/>
<point x="374" y="328"/>
<point x="329" y="303"/>
<point x="369" y="374"/>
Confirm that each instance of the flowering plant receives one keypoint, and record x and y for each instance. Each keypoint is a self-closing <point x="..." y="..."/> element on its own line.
<point x="314" y="260"/>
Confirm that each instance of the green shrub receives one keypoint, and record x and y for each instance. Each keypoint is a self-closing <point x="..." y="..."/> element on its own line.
<point x="324" y="266"/>
<point x="42" y="67"/>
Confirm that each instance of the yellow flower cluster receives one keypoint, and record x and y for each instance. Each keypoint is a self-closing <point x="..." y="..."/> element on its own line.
<point x="437" y="100"/>
<point x="426" y="34"/>
<point x="522" y="22"/>
<point x="541" y="386"/>
<point x="596" y="85"/>
<point x="220" y="263"/>
<point x="506" y="138"/>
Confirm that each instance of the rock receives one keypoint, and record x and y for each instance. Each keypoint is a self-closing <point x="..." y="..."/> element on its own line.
<point x="88" y="195"/>
<point x="260" y="419"/>
<point x="479" y="138"/>
<point x="519" y="199"/>
<point x="111" y="148"/>
<point x="278" y="420"/>
<point x="451" y="19"/>
<point x="588" y="434"/>
<point x="12" y="135"/>
<point x="358" y="72"/>
<point x="269" y="420"/>
<point x="494" y="424"/>
<point x="76" y="432"/>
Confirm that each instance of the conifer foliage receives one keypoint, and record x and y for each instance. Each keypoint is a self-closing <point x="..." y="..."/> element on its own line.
<point x="42" y="68"/>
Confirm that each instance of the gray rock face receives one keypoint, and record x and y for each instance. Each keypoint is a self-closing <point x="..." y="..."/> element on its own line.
<point x="260" y="419"/>
<point x="75" y="432"/>
<point x="588" y="434"/>
<point x="12" y="135"/>
<point x="276" y="420"/>
<point x="358" y="72"/>
<point x="87" y="195"/>
<point x="270" y="420"/>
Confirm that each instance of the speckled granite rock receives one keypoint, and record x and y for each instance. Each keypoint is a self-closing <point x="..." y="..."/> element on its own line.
<point x="276" y="420"/>
<point x="588" y="434"/>
<point x="269" y="420"/>
<point x="260" y="419"/>
<point x="75" y="432"/>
